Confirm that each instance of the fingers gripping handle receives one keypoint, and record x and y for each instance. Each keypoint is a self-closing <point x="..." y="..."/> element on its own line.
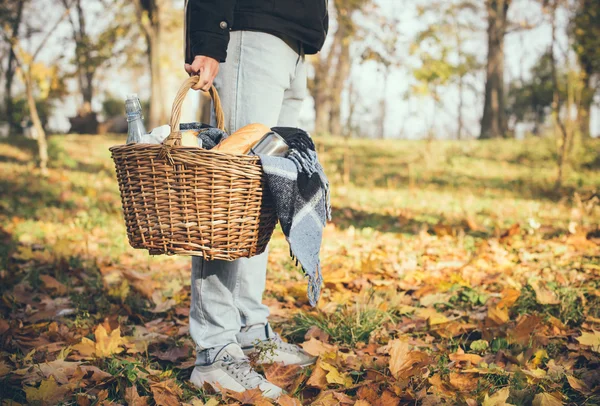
<point x="191" y="83"/>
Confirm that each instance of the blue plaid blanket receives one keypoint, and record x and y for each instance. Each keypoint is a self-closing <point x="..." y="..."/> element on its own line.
<point x="300" y="191"/>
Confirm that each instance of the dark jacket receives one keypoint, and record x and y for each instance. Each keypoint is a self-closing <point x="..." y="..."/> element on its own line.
<point x="208" y="22"/>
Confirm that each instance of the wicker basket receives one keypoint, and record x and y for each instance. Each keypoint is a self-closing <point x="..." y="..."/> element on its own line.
<point x="191" y="201"/>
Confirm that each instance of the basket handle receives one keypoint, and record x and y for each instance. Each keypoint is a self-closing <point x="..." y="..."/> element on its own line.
<point x="191" y="83"/>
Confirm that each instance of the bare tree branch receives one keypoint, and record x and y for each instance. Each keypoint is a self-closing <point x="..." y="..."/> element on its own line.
<point x="49" y="33"/>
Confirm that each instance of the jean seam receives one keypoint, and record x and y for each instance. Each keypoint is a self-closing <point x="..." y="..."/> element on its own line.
<point x="234" y="116"/>
<point x="204" y="324"/>
<point x="236" y="297"/>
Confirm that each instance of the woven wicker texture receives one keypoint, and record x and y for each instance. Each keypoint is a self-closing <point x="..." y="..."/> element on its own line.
<point x="191" y="201"/>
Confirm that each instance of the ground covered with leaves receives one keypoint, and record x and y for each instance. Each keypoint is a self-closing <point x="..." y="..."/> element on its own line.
<point x="455" y="273"/>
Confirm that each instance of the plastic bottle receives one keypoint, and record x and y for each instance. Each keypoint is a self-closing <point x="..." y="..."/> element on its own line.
<point x="135" y="122"/>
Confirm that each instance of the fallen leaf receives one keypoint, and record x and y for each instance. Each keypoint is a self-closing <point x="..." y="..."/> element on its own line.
<point x="578" y="385"/>
<point x="282" y="375"/>
<point x="432" y="316"/>
<point x="334" y="376"/>
<point x="521" y="334"/>
<point x="543" y="295"/>
<point x="362" y="403"/>
<point x="287" y="400"/>
<point x="546" y="399"/>
<point x="63" y="371"/>
<point x="367" y="393"/>
<point x="463" y="382"/>
<point x="173" y="354"/>
<point x="590" y="340"/>
<point x="343" y="398"/>
<point x="317" y="333"/>
<point x="315" y="347"/>
<point x="498" y="398"/>
<point x="48" y="393"/>
<point x="105" y="345"/>
<point x="460" y="356"/>
<point x="133" y="398"/>
<point x="387" y="399"/>
<point x="250" y="397"/>
<point x="4" y="368"/>
<point x="166" y="393"/>
<point x="51" y="283"/>
<point x="318" y="377"/>
<point x="405" y="363"/>
<point x="4" y="326"/>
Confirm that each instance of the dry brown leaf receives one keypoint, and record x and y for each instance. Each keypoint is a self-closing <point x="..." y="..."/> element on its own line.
<point x="362" y="402"/>
<point x="460" y="356"/>
<point x="4" y="368"/>
<point x="166" y="393"/>
<point x="173" y="354"/>
<point x="405" y="363"/>
<point x="543" y="295"/>
<point x="250" y="397"/>
<point x="64" y="371"/>
<point x="387" y="399"/>
<point x="547" y="399"/>
<point x="343" y="398"/>
<point x="367" y="393"/>
<point x="48" y="393"/>
<point x="463" y="382"/>
<point x="133" y="398"/>
<point x="325" y="398"/>
<point x="497" y="399"/>
<point x="318" y="377"/>
<point x="315" y="347"/>
<point x="51" y="283"/>
<point x="4" y="326"/>
<point x="315" y="332"/>
<point x="578" y="385"/>
<point x="281" y="375"/>
<point x="525" y="327"/>
<point x="287" y="400"/>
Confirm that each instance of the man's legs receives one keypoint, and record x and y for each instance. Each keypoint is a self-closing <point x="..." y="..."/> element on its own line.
<point x="253" y="85"/>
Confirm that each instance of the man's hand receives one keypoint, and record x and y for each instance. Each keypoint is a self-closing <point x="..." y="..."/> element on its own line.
<point x="205" y="67"/>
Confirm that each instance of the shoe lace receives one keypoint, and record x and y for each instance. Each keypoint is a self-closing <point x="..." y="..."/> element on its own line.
<point x="287" y="346"/>
<point x="241" y="370"/>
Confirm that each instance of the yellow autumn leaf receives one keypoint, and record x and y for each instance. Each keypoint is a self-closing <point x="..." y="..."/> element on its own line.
<point x="546" y="399"/>
<point x="498" y="398"/>
<point x="104" y="346"/>
<point x="540" y="355"/>
<point x="48" y="393"/>
<point x="432" y="316"/>
<point x="334" y="376"/>
<point x="590" y="340"/>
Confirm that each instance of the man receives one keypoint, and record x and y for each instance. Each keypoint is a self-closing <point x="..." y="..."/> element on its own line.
<point x="261" y="79"/>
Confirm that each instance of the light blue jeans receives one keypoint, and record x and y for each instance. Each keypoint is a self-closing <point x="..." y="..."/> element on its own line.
<point x="262" y="81"/>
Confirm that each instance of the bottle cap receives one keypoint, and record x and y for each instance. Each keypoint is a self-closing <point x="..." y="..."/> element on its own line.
<point x="132" y="96"/>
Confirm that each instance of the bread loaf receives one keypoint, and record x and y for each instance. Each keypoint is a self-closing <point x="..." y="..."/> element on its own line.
<point x="243" y="139"/>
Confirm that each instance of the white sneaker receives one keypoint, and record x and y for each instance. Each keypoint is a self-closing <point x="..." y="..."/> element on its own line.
<point x="231" y="370"/>
<point x="268" y="347"/>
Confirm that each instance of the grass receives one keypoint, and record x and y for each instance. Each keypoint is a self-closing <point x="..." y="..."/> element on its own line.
<point x="411" y="220"/>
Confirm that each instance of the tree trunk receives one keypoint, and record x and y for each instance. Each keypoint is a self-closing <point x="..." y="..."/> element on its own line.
<point x="585" y="109"/>
<point x="383" y="105"/>
<point x="493" y="122"/>
<point x="10" y="71"/>
<point x="460" y="124"/>
<point x="158" y="114"/>
<point x="37" y="123"/>
<point x="342" y="71"/>
<point x="321" y="93"/>
<point x="557" y="104"/>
